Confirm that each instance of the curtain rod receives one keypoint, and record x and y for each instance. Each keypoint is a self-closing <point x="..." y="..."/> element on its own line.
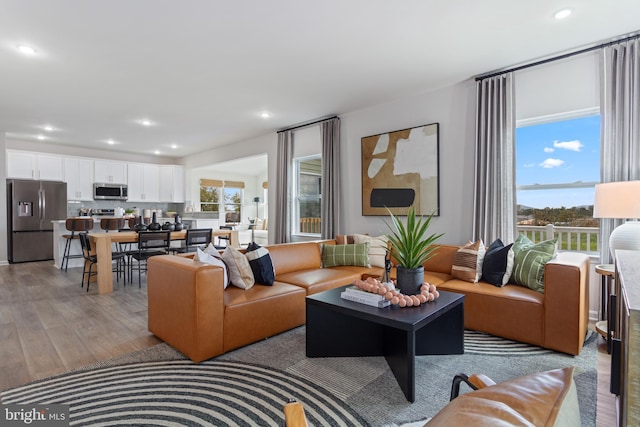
<point x="556" y="58"/>
<point x="308" y="124"/>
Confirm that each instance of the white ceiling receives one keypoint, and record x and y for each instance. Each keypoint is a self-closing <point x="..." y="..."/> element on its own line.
<point x="204" y="70"/>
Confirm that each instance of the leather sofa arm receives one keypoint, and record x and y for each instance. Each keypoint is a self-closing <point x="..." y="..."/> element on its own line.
<point x="294" y="415"/>
<point x="186" y="305"/>
<point x="566" y="302"/>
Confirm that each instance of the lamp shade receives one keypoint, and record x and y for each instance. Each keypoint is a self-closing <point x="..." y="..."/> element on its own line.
<point x="620" y="200"/>
<point x="617" y="200"/>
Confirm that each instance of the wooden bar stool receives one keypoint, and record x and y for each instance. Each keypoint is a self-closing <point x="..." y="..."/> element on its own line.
<point x="75" y="226"/>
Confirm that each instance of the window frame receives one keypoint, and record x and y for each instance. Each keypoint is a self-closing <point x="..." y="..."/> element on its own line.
<point x="297" y="197"/>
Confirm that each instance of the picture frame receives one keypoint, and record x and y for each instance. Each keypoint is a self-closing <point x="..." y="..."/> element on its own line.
<point x="401" y="169"/>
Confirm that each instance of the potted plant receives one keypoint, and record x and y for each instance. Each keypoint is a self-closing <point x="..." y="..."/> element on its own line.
<point x="411" y="246"/>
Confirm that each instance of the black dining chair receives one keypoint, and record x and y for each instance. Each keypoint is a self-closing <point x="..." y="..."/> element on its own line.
<point x="195" y="238"/>
<point x="150" y="243"/>
<point x="226" y="239"/>
<point x="91" y="260"/>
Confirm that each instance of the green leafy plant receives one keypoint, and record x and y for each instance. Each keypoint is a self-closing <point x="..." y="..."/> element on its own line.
<point x="410" y="244"/>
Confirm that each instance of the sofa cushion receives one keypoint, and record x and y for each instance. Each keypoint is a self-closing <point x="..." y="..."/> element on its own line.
<point x="261" y="265"/>
<point x="542" y="400"/>
<point x="356" y="254"/>
<point x="497" y="265"/>
<point x="207" y="258"/>
<point x="467" y="263"/>
<point x="319" y="279"/>
<point x="529" y="261"/>
<point x="377" y="248"/>
<point x="290" y="257"/>
<point x="240" y="273"/>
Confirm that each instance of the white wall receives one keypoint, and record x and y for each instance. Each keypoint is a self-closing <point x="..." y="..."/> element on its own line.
<point x="265" y="144"/>
<point x="67" y="150"/>
<point x="453" y="108"/>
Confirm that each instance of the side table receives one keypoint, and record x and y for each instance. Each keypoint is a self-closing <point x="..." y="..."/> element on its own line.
<point x="606" y="271"/>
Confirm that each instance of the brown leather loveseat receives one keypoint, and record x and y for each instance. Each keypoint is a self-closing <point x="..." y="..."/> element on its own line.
<point x="190" y="310"/>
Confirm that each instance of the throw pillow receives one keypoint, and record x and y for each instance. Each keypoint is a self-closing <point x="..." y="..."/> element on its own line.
<point x="467" y="262"/>
<point x="211" y="250"/>
<point x="240" y="273"/>
<point x="261" y="264"/>
<point x="498" y="263"/>
<point x="377" y="248"/>
<point x="210" y="259"/>
<point x="335" y="255"/>
<point x="529" y="261"/>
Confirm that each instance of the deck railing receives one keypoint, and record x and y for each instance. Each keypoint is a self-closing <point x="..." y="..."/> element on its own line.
<point x="578" y="239"/>
<point x="310" y="225"/>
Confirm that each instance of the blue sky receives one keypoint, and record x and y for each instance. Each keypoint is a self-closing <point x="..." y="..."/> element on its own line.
<point x="556" y="153"/>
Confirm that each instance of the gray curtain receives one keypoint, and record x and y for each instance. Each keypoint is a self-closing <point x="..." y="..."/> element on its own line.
<point x="495" y="188"/>
<point x="330" y="133"/>
<point x="620" y="123"/>
<point x="282" y="223"/>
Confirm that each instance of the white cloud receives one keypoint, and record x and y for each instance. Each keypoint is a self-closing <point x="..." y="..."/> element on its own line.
<point x="549" y="150"/>
<point x="529" y="165"/>
<point x="574" y="145"/>
<point x="551" y="163"/>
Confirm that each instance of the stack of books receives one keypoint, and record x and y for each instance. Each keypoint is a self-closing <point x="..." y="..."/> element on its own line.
<point x="355" y="294"/>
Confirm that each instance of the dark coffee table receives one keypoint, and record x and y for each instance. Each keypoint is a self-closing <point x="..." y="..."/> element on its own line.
<point x="342" y="328"/>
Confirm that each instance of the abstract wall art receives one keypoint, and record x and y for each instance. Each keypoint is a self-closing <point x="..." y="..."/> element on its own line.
<point x="400" y="169"/>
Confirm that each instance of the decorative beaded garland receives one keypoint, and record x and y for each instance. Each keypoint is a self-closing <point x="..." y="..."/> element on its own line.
<point x="428" y="292"/>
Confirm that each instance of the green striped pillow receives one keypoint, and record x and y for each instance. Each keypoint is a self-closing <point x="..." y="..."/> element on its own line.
<point x="529" y="261"/>
<point x="335" y="255"/>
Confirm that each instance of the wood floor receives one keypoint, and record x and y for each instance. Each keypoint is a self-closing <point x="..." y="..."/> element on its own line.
<point x="49" y="325"/>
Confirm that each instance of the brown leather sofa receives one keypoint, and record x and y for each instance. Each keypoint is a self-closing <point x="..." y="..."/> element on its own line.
<point x="190" y="310"/>
<point x="546" y="399"/>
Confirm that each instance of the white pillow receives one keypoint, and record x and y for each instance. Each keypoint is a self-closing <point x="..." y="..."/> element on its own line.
<point x="240" y="272"/>
<point x="211" y="250"/>
<point x="377" y="248"/>
<point x="210" y="259"/>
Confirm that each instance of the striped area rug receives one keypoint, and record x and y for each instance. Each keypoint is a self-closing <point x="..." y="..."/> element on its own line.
<point x="212" y="393"/>
<point x="481" y="343"/>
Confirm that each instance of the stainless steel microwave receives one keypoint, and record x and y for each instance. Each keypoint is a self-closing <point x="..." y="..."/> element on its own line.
<point x="109" y="191"/>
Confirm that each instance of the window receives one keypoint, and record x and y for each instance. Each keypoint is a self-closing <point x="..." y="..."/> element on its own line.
<point x="557" y="168"/>
<point x="233" y="203"/>
<point x="210" y="195"/>
<point x="308" y="195"/>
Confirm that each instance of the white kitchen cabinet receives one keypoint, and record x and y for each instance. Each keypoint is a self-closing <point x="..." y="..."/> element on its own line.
<point x="144" y="182"/>
<point x="30" y="165"/>
<point x="106" y="171"/>
<point x="78" y="174"/>
<point x="172" y="183"/>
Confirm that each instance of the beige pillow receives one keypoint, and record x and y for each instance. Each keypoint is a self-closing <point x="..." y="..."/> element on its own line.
<point x="467" y="263"/>
<point x="258" y="224"/>
<point x="240" y="273"/>
<point x="213" y="260"/>
<point x="377" y="248"/>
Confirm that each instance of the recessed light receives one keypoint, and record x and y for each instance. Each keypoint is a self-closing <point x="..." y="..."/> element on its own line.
<point x="146" y="122"/>
<point x="561" y="14"/>
<point x="110" y="141"/>
<point x="157" y="152"/>
<point x="265" y="115"/>
<point x="27" y="50"/>
<point x="48" y="128"/>
<point x="40" y="137"/>
<point x="174" y="146"/>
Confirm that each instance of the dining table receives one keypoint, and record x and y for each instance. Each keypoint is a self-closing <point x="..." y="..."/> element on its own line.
<point x="101" y="244"/>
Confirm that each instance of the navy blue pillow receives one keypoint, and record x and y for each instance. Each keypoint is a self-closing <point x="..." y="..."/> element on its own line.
<point x="261" y="264"/>
<point x="497" y="263"/>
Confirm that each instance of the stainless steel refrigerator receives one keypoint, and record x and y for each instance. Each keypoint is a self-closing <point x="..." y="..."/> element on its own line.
<point x="31" y="206"/>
